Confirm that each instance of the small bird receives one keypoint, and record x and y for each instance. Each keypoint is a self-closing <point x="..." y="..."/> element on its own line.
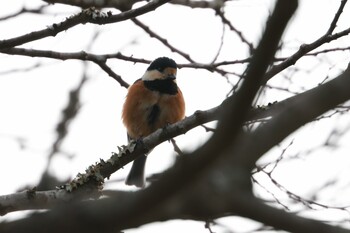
<point x="152" y="102"/>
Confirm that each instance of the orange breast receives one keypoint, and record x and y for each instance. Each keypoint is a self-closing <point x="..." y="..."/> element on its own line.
<point x="138" y="106"/>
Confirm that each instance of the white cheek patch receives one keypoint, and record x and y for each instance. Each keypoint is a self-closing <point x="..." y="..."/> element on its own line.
<point x="151" y="75"/>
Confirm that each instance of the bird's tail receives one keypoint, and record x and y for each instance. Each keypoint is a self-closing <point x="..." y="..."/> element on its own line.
<point x="137" y="172"/>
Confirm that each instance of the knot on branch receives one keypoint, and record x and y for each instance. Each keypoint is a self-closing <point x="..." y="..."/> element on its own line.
<point x="53" y="29"/>
<point x="95" y="14"/>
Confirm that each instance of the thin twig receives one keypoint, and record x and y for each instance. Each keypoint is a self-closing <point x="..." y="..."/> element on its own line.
<point x="176" y="147"/>
<point x="306" y="48"/>
<point x="336" y="17"/>
<point x="162" y="40"/>
<point x="232" y="28"/>
<point x="23" y="11"/>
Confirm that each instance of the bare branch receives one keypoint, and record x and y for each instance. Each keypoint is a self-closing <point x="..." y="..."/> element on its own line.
<point x="164" y="41"/>
<point x="99" y="215"/>
<point x="68" y="114"/>
<point x="255" y="209"/>
<point x="341" y="49"/>
<point x="33" y="200"/>
<point x="24" y="10"/>
<point x="90" y="15"/>
<point x="176" y="147"/>
<point x="112" y="74"/>
<point x="221" y="44"/>
<point x="232" y="28"/>
<point x="114" y="163"/>
<point x="301" y="110"/>
<point x="213" y="4"/>
<point x="305" y="48"/>
<point x="336" y="17"/>
<point x="307" y="203"/>
<point x="118" y="4"/>
<point x="173" y="49"/>
<point x="102" y="58"/>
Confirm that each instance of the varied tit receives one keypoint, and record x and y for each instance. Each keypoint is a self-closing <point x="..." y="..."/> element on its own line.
<point x="152" y="102"/>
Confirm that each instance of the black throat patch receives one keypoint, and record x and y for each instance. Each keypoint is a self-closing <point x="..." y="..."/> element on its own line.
<point x="164" y="86"/>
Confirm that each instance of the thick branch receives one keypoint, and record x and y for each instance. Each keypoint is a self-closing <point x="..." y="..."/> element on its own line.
<point x="300" y="110"/>
<point x="231" y="122"/>
<point x="34" y="200"/>
<point x="47" y="199"/>
<point x="254" y="209"/>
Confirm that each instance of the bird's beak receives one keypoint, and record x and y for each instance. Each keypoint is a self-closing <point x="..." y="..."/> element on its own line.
<point x="171" y="77"/>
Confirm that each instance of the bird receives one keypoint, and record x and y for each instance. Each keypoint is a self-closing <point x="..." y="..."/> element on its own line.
<point x="152" y="102"/>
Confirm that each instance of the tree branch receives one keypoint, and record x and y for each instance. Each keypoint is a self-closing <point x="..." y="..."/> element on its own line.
<point x="305" y="48"/>
<point x="90" y="15"/>
<point x="336" y="17"/>
<point x="118" y="4"/>
<point x="300" y="110"/>
<point x="102" y="58"/>
<point x="162" y="40"/>
<point x="24" y="10"/>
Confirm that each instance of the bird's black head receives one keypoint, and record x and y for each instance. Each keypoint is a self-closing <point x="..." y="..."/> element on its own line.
<point x="161" y="76"/>
<point x="161" y="63"/>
